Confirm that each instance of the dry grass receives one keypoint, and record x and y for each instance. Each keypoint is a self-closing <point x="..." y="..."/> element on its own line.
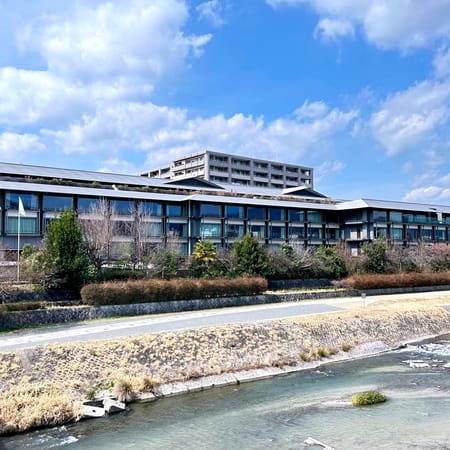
<point x="52" y="377"/>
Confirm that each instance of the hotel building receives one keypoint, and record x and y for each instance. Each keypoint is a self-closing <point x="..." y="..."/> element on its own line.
<point x="196" y="208"/>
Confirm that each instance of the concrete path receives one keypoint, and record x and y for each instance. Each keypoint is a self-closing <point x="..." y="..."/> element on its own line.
<point x="114" y="328"/>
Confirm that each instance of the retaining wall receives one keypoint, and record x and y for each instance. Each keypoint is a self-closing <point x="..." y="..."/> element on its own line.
<point x="18" y="319"/>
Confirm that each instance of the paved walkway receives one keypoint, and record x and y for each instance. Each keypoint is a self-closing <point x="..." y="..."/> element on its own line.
<point x="114" y="328"/>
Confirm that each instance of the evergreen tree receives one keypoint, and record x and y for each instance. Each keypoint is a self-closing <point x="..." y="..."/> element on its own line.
<point x="64" y="252"/>
<point x="250" y="257"/>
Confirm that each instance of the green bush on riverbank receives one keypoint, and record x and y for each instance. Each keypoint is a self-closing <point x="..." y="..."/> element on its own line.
<point x="152" y="290"/>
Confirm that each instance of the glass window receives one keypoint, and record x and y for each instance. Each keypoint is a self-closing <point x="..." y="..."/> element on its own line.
<point x="29" y="201"/>
<point x="333" y="233"/>
<point x="379" y="215"/>
<point x="122" y="207"/>
<point x="395" y="216"/>
<point x="257" y="231"/>
<point x="234" y="230"/>
<point x="150" y="208"/>
<point x="315" y="233"/>
<point x="123" y="228"/>
<point x="120" y="250"/>
<point x="314" y="216"/>
<point x="256" y="213"/>
<point x="276" y="214"/>
<point x="28" y="225"/>
<point x="209" y="210"/>
<point x="397" y="233"/>
<point x="355" y="216"/>
<point x="407" y="218"/>
<point x="174" y="210"/>
<point x="296" y="216"/>
<point x="177" y="229"/>
<point x="427" y="234"/>
<point x="210" y="230"/>
<point x="277" y="232"/>
<point x="88" y="204"/>
<point x="380" y="233"/>
<point x="234" y="212"/>
<point x="297" y="233"/>
<point x="420" y="218"/>
<point x="152" y="229"/>
<point x="412" y="234"/>
<point x="439" y="234"/>
<point x="57" y="202"/>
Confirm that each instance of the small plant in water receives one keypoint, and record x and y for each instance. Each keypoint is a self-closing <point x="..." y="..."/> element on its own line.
<point x="368" y="398"/>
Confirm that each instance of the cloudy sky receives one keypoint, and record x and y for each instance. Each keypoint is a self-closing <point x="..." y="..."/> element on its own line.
<point x="357" y="89"/>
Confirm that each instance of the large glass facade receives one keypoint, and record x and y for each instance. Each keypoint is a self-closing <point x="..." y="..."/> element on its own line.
<point x="234" y="230"/>
<point x="89" y="204"/>
<point x="151" y="208"/>
<point x="257" y="231"/>
<point x="396" y="216"/>
<point x="234" y="212"/>
<point x="297" y="233"/>
<point x="256" y="213"/>
<point x="315" y="233"/>
<point x="210" y="210"/>
<point x="175" y="210"/>
<point x="57" y="202"/>
<point x="296" y="215"/>
<point x="315" y="216"/>
<point x="276" y="214"/>
<point x="28" y="225"/>
<point x="29" y="201"/>
<point x="277" y="232"/>
<point x="151" y="229"/>
<point x="208" y="230"/>
<point x="177" y="229"/>
<point x="122" y="207"/>
<point x="397" y="233"/>
<point x="379" y="215"/>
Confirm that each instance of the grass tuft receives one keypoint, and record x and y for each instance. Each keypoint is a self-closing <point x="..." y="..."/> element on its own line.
<point x="368" y="398"/>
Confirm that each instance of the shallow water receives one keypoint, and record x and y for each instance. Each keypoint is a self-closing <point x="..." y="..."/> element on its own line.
<point x="282" y="412"/>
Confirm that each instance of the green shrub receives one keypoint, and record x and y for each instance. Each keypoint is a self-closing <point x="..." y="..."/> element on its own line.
<point x="368" y="398"/>
<point x="151" y="290"/>
<point x="22" y="306"/>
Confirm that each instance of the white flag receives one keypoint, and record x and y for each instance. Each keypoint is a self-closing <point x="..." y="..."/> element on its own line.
<point x="21" y="208"/>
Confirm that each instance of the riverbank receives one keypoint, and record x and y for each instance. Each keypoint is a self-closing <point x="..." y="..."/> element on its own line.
<point x="45" y="385"/>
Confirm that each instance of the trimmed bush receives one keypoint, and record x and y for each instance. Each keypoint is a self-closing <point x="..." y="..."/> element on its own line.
<point x="368" y="398"/>
<point x="147" y="291"/>
<point x="381" y="281"/>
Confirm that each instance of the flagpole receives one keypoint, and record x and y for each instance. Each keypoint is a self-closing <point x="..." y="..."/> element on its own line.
<point x="21" y="211"/>
<point x="18" y="247"/>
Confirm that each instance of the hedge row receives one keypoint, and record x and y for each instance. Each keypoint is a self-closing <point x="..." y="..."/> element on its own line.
<point x="412" y="279"/>
<point x="146" y="291"/>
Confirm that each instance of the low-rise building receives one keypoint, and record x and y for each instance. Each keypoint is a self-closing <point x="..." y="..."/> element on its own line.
<point x="194" y="209"/>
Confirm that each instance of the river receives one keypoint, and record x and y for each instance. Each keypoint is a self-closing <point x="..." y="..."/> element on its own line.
<point x="282" y="412"/>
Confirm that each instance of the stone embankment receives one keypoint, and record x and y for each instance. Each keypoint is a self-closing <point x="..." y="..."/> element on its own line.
<point x="20" y="319"/>
<point x="45" y="385"/>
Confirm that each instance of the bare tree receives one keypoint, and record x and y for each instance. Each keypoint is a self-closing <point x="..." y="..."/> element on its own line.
<point x="98" y="229"/>
<point x="141" y="228"/>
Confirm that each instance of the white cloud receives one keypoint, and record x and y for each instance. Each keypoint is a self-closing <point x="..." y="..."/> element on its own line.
<point x="441" y="62"/>
<point x="333" y="29"/>
<point x="14" y="147"/>
<point x="409" y="117"/>
<point x="311" y="110"/>
<point x="116" y="165"/>
<point x="328" y="168"/>
<point x="401" y="24"/>
<point x="130" y="38"/>
<point x="166" y="133"/>
<point x="211" y="11"/>
<point x="427" y="194"/>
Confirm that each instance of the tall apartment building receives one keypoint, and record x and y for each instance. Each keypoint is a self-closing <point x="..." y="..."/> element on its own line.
<point x="233" y="169"/>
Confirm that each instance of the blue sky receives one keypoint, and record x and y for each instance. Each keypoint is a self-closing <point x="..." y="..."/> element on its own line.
<point x="357" y="89"/>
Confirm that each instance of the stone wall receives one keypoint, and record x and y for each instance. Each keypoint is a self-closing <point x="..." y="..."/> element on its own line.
<point x="11" y="320"/>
